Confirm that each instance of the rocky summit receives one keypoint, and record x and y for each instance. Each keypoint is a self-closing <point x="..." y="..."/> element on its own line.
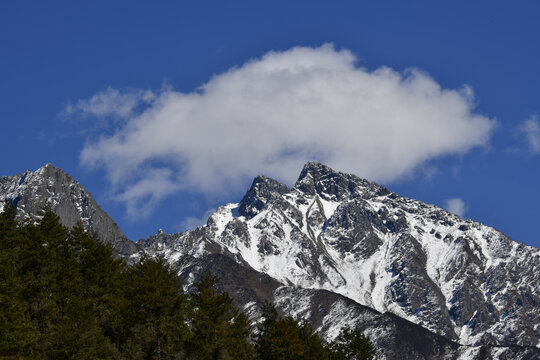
<point x="340" y="240"/>
<point x="339" y="250"/>
<point x="50" y="186"/>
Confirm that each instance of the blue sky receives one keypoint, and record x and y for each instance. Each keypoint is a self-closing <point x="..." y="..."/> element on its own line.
<point x="73" y="73"/>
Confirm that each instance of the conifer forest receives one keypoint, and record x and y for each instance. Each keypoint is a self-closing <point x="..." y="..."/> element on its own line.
<point x="66" y="295"/>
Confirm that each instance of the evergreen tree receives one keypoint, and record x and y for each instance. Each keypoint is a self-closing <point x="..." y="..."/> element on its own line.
<point x="314" y="345"/>
<point x="8" y="226"/>
<point x="64" y="295"/>
<point x="283" y="338"/>
<point x="17" y="331"/>
<point x="72" y="329"/>
<point x="43" y="274"/>
<point x="154" y="312"/>
<point x="101" y="275"/>
<point x="219" y="330"/>
<point x="280" y="338"/>
<point x="351" y="345"/>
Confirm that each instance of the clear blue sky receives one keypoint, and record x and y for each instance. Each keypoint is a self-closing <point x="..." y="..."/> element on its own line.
<point x="52" y="54"/>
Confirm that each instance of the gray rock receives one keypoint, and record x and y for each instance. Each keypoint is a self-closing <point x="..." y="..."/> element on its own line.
<point x="446" y="288"/>
<point x="51" y="186"/>
<point x="332" y="250"/>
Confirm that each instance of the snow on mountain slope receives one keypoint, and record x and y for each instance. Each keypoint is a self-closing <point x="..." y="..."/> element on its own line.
<point x="337" y="232"/>
<point x="330" y="244"/>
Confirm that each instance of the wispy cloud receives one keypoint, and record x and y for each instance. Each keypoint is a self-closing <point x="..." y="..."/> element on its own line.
<point x="530" y="129"/>
<point x="272" y="114"/>
<point x="151" y="186"/>
<point x="191" y="222"/>
<point x="110" y="103"/>
<point x="456" y="206"/>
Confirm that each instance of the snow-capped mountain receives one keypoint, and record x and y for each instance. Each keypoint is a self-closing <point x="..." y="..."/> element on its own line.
<point x="338" y="250"/>
<point x="337" y="232"/>
<point x="50" y="185"/>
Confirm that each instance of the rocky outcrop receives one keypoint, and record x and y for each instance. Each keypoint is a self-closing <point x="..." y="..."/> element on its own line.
<point x="342" y="235"/>
<point x="338" y="250"/>
<point x="51" y="186"/>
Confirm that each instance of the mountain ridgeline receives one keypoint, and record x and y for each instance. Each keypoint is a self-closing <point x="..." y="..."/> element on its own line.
<point x="51" y="186"/>
<point x="65" y="295"/>
<point x="336" y="250"/>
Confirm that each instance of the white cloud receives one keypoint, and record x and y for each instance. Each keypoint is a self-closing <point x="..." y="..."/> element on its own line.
<point x="455" y="206"/>
<point x="531" y="130"/>
<point x="151" y="186"/>
<point x="191" y="222"/>
<point x="110" y="102"/>
<point x="271" y="115"/>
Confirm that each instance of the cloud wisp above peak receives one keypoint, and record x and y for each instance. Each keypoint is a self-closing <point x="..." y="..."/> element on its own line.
<point x="274" y="113"/>
<point x="456" y="206"/>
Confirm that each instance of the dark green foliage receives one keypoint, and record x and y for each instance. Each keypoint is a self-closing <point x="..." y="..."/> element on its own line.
<point x="219" y="330"/>
<point x="41" y="294"/>
<point x="17" y="330"/>
<point x="154" y="311"/>
<point x="283" y="338"/>
<point x="65" y="295"/>
<point x="351" y="345"/>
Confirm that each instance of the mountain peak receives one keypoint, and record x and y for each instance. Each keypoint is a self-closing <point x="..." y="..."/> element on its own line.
<point x="261" y="191"/>
<point x="315" y="179"/>
<point x="315" y="170"/>
<point x="45" y="167"/>
<point x="345" y="235"/>
<point x="320" y="179"/>
<point x="315" y="167"/>
<point x="310" y="175"/>
<point x="49" y="171"/>
<point x="31" y="190"/>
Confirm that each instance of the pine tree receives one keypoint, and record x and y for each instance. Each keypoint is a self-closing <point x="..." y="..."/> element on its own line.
<point x="17" y="331"/>
<point x="71" y="325"/>
<point x="278" y="338"/>
<point x="351" y="345"/>
<point x="101" y="274"/>
<point x="314" y="345"/>
<point x="219" y="330"/>
<point x="154" y="311"/>
<point x="64" y="295"/>
<point x="283" y="338"/>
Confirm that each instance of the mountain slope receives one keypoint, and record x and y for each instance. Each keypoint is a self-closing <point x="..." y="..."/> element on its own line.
<point x="393" y="337"/>
<point x="337" y="250"/>
<point x="30" y="191"/>
<point x="337" y="232"/>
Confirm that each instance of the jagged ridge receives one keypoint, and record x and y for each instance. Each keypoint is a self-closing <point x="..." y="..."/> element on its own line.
<point x="333" y="247"/>
<point x="52" y="186"/>
<point x="337" y="232"/>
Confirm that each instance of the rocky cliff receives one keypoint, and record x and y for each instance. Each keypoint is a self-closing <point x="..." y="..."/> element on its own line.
<point x="338" y="250"/>
<point x="334" y="235"/>
<point x="51" y="186"/>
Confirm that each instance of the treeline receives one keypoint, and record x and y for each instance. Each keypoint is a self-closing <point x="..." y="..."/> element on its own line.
<point x="64" y="295"/>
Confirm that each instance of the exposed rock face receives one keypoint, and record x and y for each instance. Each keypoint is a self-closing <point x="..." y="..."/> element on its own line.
<point x="364" y="246"/>
<point x="30" y="191"/>
<point x="338" y="250"/>
<point x="394" y="337"/>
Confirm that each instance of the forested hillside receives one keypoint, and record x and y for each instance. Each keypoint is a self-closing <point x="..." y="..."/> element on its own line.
<point x="65" y="295"/>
